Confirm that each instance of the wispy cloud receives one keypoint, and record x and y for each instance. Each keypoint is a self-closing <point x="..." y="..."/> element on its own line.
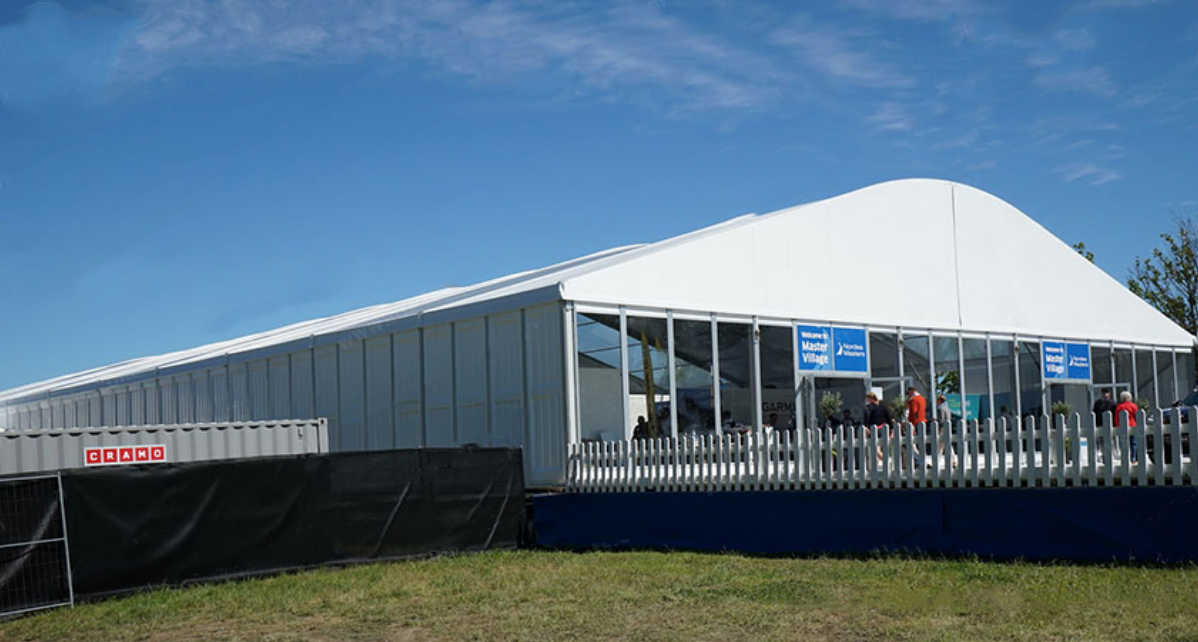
<point x="892" y="117"/>
<point x="921" y="10"/>
<point x="1074" y="39"/>
<point x="981" y="166"/>
<point x="614" y="49"/>
<point x="1090" y="173"/>
<point x="1094" y="80"/>
<point x="838" y="55"/>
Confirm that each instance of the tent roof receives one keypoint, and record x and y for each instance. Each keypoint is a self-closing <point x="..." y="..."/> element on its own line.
<point x="918" y="253"/>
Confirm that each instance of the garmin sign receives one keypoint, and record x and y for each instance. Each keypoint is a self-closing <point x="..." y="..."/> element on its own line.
<point x="1065" y="361"/>
<point x="828" y="349"/>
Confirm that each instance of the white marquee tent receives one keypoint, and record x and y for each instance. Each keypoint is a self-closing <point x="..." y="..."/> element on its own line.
<point x="927" y="268"/>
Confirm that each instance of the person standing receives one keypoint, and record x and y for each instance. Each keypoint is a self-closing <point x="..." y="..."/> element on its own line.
<point x="876" y="417"/>
<point x="944" y="421"/>
<point x="917" y="407"/>
<point x="1103" y="405"/>
<point x="1129" y="408"/>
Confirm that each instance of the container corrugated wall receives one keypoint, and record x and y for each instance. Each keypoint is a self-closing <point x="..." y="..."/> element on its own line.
<point x="43" y="450"/>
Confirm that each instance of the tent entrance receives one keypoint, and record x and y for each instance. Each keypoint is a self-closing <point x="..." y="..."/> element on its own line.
<point x="814" y="390"/>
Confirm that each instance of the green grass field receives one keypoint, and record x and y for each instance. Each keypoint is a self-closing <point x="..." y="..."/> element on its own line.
<point x="654" y="596"/>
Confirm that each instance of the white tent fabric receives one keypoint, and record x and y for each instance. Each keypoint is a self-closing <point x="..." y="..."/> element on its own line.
<point x="916" y="253"/>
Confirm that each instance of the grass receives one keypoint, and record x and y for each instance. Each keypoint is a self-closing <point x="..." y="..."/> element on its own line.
<point x="643" y="596"/>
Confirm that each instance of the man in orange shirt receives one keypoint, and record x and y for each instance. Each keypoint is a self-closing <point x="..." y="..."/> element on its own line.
<point x="917" y="407"/>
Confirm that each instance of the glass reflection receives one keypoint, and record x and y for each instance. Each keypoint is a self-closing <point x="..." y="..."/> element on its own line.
<point x="736" y="378"/>
<point x="600" y="408"/>
<point x="777" y="377"/>
<point x="692" y="376"/>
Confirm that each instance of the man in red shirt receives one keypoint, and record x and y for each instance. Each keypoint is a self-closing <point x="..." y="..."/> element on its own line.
<point x="917" y="407"/>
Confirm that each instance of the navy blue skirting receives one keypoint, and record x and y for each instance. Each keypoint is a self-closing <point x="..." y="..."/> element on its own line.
<point x="1080" y="524"/>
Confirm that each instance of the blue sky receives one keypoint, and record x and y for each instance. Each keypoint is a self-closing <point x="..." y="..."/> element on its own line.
<point x="178" y="172"/>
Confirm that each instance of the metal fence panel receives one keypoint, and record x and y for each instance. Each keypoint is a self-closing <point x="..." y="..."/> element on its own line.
<point x="34" y="559"/>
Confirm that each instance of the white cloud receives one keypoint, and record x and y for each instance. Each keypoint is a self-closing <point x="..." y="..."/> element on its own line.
<point x="892" y="117"/>
<point x="919" y="10"/>
<point x="1074" y="39"/>
<point x="967" y="139"/>
<point x="836" y="55"/>
<point x="1094" y="80"/>
<point x="981" y="166"/>
<point x="612" y="49"/>
<point x="1091" y="173"/>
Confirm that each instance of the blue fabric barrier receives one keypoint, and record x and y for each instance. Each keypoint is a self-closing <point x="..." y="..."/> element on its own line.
<point x="1078" y="524"/>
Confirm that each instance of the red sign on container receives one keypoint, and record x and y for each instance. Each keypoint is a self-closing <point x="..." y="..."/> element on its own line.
<point x="120" y="455"/>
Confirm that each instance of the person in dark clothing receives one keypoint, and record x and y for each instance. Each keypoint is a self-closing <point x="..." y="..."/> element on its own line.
<point x="1103" y="404"/>
<point x="876" y="414"/>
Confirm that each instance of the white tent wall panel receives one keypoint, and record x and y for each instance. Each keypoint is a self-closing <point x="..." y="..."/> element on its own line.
<point x="108" y="402"/>
<point x="438" y="386"/>
<point x="324" y="361"/>
<point x="239" y="392"/>
<point x="123" y="399"/>
<point x="168" y="401"/>
<point x="185" y="386"/>
<point x="302" y="405"/>
<point x="94" y="406"/>
<point x="57" y="413"/>
<point x="279" y="379"/>
<point x="380" y="433"/>
<point x="470" y="382"/>
<point x="406" y="352"/>
<point x="505" y="359"/>
<point x="495" y="380"/>
<point x="352" y="389"/>
<point x="545" y="366"/>
<point x="204" y="397"/>
<point x="259" y="383"/>
<point x="218" y="379"/>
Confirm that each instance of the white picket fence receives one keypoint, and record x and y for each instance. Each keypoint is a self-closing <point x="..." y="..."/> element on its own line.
<point x="1035" y="452"/>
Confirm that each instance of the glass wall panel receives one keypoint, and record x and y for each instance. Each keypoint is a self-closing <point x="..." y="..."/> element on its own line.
<point x="977" y="379"/>
<point x="1123" y="374"/>
<point x="736" y="376"/>
<point x="1165" y="385"/>
<point x="692" y="376"/>
<point x="1031" y="388"/>
<point x="948" y="374"/>
<point x="1002" y="360"/>
<point x="883" y="354"/>
<point x="777" y="377"/>
<point x="917" y="367"/>
<point x="648" y="377"/>
<point x="1185" y="372"/>
<point x="1100" y="365"/>
<point x="600" y="407"/>
<point x="1145" y="373"/>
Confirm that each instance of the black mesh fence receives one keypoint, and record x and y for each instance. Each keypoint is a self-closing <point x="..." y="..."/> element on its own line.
<point x="33" y="549"/>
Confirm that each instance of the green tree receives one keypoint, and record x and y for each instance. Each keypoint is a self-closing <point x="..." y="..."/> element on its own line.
<point x="1168" y="280"/>
<point x="1081" y="249"/>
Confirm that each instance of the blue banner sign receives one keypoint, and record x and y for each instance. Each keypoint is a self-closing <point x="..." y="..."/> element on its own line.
<point x="1077" y="357"/>
<point x="826" y="349"/>
<point x="815" y="348"/>
<point x="850" y="350"/>
<point x="1065" y="361"/>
